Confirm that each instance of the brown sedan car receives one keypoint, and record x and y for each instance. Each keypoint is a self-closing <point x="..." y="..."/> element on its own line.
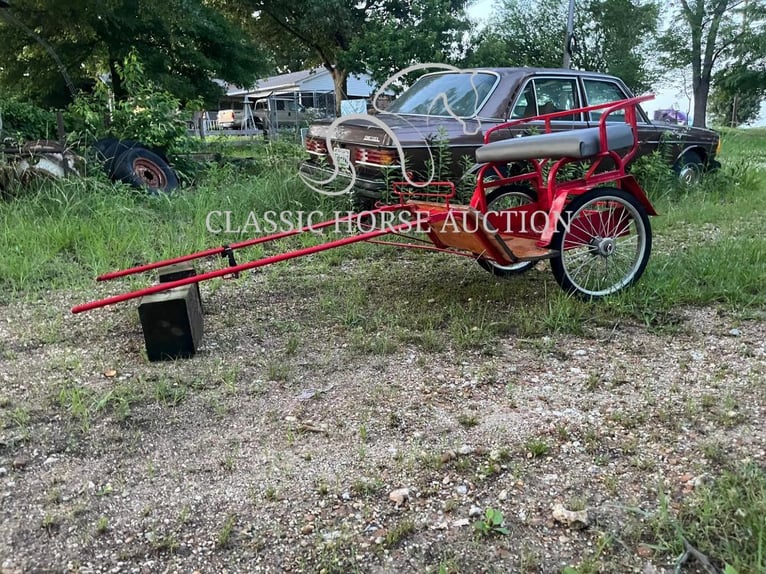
<point x="451" y="110"/>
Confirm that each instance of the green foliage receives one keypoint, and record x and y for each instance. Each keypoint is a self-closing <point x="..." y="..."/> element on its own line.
<point x="736" y="96"/>
<point x="182" y="43"/>
<point x="723" y="520"/>
<point x="612" y="37"/>
<point x="25" y="121"/>
<point x="148" y="114"/>
<point x="491" y="524"/>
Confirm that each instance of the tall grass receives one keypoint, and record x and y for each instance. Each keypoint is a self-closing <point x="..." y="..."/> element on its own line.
<point x="63" y="232"/>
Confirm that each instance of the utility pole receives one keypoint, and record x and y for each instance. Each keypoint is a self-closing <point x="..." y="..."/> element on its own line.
<point x="567" y="63"/>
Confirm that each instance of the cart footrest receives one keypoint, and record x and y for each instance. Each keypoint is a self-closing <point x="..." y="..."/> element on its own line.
<point x="463" y="228"/>
<point x="526" y="249"/>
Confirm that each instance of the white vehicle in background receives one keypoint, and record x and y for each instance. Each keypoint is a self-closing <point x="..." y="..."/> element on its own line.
<point x="264" y="114"/>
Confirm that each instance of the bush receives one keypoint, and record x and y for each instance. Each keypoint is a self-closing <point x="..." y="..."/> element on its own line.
<point x="148" y="114"/>
<point x="24" y="121"/>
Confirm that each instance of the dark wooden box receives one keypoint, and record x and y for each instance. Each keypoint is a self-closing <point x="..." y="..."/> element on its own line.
<point x="172" y="323"/>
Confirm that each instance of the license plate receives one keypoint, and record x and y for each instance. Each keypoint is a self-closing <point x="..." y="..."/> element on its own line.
<point x="343" y="159"/>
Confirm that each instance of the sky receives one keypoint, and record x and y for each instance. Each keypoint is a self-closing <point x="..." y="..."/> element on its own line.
<point x="668" y="94"/>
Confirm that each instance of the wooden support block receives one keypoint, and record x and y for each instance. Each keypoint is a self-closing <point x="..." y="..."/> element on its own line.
<point x="180" y="271"/>
<point x="172" y="323"/>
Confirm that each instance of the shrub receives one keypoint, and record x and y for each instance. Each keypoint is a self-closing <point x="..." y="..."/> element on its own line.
<point x="148" y="114"/>
<point x="24" y="121"/>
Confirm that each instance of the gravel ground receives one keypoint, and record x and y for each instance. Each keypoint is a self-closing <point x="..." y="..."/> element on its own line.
<point x="284" y="446"/>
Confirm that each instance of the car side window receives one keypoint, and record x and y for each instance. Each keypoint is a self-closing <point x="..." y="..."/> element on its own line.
<point x="526" y="105"/>
<point x="601" y="92"/>
<point x="548" y="95"/>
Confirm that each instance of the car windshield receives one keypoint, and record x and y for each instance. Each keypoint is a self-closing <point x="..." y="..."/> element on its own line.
<point x="458" y="94"/>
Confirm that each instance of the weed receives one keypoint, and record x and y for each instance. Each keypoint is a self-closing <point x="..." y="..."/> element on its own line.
<point x="224" y="535"/>
<point x="271" y="494"/>
<point x="102" y="525"/>
<point x="536" y="448"/>
<point x="185" y="514"/>
<point x="293" y="342"/>
<point x="468" y="420"/>
<point x="398" y="533"/>
<point x="50" y="523"/>
<point x="20" y="417"/>
<point x="277" y="371"/>
<point x="227" y="463"/>
<point x="367" y="487"/>
<point x="492" y="523"/>
<point x="167" y="543"/>
<point x="168" y="393"/>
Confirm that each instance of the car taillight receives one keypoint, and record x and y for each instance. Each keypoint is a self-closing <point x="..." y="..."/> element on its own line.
<point x="368" y="156"/>
<point x="316" y="146"/>
<point x="718" y="147"/>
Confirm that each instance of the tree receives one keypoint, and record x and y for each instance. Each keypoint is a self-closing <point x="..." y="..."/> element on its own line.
<point x="611" y="37"/>
<point x="354" y="36"/>
<point x="736" y="95"/>
<point x="705" y="34"/>
<point x="183" y="45"/>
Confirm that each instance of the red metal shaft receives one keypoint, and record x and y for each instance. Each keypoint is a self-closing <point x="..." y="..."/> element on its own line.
<point x="240" y="245"/>
<point x="243" y="267"/>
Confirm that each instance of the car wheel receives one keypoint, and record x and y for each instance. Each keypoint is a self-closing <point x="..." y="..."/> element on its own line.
<point x="505" y="198"/>
<point x="142" y="168"/>
<point x="689" y="168"/>
<point x="604" y="239"/>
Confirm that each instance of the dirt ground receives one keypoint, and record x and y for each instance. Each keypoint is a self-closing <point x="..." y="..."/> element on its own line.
<point x="284" y="445"/>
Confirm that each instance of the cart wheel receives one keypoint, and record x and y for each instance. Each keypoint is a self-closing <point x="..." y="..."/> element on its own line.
<point x="605" y="239"/>
<point x="498" y="199"/>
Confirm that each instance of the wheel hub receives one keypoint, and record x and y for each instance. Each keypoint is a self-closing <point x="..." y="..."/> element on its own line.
<point x="603" y="246"/>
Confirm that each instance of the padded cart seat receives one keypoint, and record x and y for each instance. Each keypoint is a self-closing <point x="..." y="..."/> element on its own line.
<point x="571" y="143"/>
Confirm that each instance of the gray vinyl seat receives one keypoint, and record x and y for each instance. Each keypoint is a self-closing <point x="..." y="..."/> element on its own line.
<point x="581" y="143"/>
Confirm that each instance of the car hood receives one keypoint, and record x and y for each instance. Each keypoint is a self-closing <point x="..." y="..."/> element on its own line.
<point x="409" y="130"/>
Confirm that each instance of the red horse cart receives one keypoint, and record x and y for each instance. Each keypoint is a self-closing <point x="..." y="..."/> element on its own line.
<point x="566" y="198"/>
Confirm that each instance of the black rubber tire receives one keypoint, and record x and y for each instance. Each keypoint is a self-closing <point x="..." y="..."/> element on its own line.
<point x="107" y="152"/>
<point x="142" y="168"/>
<point x="598" y="250"/>
<point x="495" y="196"/>
<point x="690" y="168"/>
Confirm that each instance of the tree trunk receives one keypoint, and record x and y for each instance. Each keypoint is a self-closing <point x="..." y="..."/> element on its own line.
<point x="117" y="88"/>
<point x="340" y="80"/>
<point x="701" y="92"/>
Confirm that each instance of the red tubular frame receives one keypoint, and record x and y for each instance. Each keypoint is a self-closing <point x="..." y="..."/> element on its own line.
<point x="240" y="245"/>
<point x="237" y="268"/>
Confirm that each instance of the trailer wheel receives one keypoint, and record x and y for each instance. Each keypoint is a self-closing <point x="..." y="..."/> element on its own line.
<point x="498" y="199"/>
<point x="142" y="168"/>
<point x="604" y="239"/>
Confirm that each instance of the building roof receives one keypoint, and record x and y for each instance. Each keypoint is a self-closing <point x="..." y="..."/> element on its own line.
<point x="277" y="84"/>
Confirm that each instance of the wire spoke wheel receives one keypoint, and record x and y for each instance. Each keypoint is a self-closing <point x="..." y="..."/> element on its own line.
<point x="605" y="240"/>
<point x="507" y="197"/>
